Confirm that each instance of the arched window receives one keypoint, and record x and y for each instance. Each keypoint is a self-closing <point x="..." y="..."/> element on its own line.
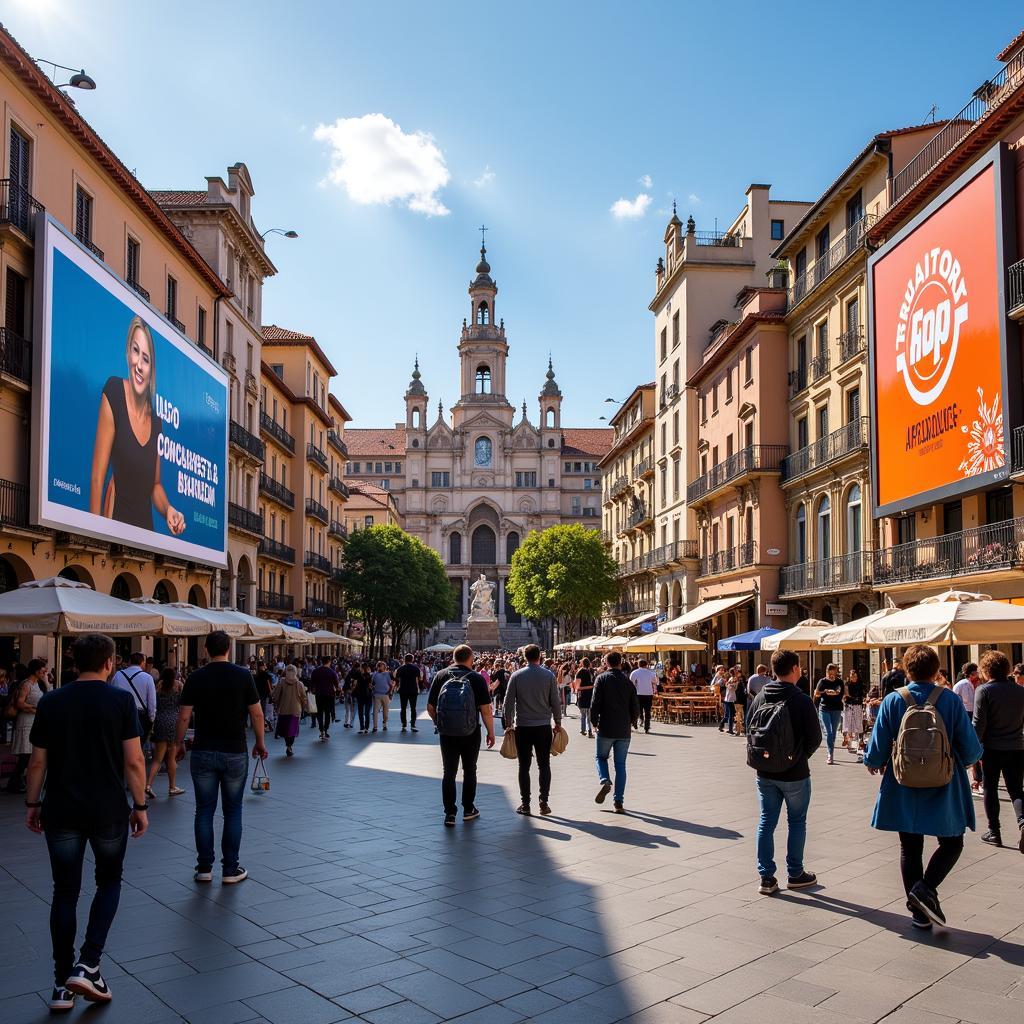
<point x="854" y="528"/>
<point x="511" y="545"/>
<point x="415" y="419"/>
<point x="455" y="549"/>
<point x="483" y="452"/>
<point x="161" y="593"/>
<point x="483" y="379"/>
<point x="824" y="529"/>
<point x="483" y="314"/>
<point x="549" y="418"/>
<point x="120" y="589"/>
<point x="801" y="535"/>
<point x="484" y="546"/>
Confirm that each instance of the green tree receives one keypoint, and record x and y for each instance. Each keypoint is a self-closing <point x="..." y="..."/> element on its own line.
<point x="562" y="574"/>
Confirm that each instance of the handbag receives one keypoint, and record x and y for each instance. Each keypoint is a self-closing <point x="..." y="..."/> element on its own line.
<point x="508" y="745"/>
<point x="260" y="779"/>
<point x="559" y="742"/>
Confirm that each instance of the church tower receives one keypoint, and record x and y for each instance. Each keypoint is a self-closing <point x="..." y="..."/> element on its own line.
<point x="416" y="407"/>
<point x="550" y="399"/>
<point x="483" y="350"/>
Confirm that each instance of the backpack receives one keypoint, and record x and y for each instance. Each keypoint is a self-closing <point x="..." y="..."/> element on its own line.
<point x="457" y="713"/>
<point x="771" y="742"/>
<point x="921" y="757"/>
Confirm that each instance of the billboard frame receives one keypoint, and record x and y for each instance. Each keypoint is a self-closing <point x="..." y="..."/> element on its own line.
<point x="998" y="157"/>
<point x="41" y="368"/>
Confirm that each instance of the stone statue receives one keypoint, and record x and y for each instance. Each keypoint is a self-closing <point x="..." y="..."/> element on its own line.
<point x="481" y="605"/>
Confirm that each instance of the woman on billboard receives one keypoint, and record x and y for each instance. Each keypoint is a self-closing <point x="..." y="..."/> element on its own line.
<point x="127" y="434"/>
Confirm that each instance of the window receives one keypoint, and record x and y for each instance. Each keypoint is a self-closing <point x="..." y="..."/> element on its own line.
<point x="440" y="479"/>
<point x="675" y="428"/>
<point x="398" y="467"/>
<point x="801" y="535"/>
<point x="748" y="365"/>
<point x="483" y="379"/>
<point x="853" y="315"/>
<point x="355" y="467"/>
<point x="511" y="545"/>
<point x="483" y="314"/>
<point x="822" y="335"/>
<point x="172" y="298"/>
<point x="664" y="485"/>
<point x="704" y="407"/>
<point x="853" y="405"/>
<point x="577" y="505"/>
<point x="999" y="505"/>
<point x="83" y="215"/>
<point x="800" y="265"/>
<point x="714" y="399"/>
<point x="822" y="415"/>
<point x="854" y="531"/>
<point x="201" y="329"/>
<point x="664" y="438"/>
<point x="368" y="520"/>
<point x="821" y="243"/>
<point x="16" y="314"/>
<point x="483" y="546"/>
<point x="675" y="329"/>
<point x="587" y="483"/>
<point x="824" y="529"/>
<point x="387" y="467"/>
<point x="675" y="477"/>
<point x="378" y="467"/>
<point x="278" y="368"/>
<point x="455" y="549"/>
<point x="675" y="376"/>
<point x="664" y="349"/>
<point x="778" y="230"/>
<point x="906" y="529"/>
<point x="526" y="479"/>
<point x="728" y="385"/>
<point x="131" y="261"/>
<point x="854" y="210"/>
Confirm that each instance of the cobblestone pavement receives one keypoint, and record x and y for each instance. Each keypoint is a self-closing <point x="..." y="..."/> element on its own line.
<point x="361" y="906"/>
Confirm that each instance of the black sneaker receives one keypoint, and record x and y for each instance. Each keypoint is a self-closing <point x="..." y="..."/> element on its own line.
<point x="992" y="838"/>
<point x="62" y="999"/>
<point x="802" y="881"/>
<point x="238" y="875"/>
<point x="449" y="820"/>
<point x="602" y="793"/>
<point x="203" y="875"/>
<point x="918" y="919"/>
<point x="470" y="814"/>
<point x="523" y="809"/>
<point x="769" y="884"/>
<point x="545" y="807"/>
<point x="88" y="983"/>
<point x="619" y="809"/>
<point x="927" y="901"/>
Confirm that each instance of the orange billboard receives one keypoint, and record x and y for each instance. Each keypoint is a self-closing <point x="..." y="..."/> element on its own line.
<point x="938" y="352"/>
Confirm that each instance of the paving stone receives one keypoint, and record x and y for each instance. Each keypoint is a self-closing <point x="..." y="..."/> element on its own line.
<point x="290" y="1005"/>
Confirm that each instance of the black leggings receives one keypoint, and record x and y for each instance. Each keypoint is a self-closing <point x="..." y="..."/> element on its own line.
<point x="365" y="706"/>
<point x="1009" y="764"/>
<point x="941" y="863"/>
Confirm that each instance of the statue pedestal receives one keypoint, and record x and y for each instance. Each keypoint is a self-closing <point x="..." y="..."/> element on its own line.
<point x="483" y="635"/>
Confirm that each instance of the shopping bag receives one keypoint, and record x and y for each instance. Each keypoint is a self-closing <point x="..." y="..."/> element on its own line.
<point x="559" y="742"/>
<point x="260" y="779"/>
<point x="311" y="698"/>
<point x="508" y="745"/>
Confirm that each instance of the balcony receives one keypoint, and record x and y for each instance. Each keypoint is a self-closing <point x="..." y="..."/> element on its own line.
<point x="977" y="551"/>
<point x="1017" y="451"/>
<point x="717" y="238"/>
<point x="645" y="467"/>
<point x="242" y="519"/>
<point x="730" y="560"/>
<point x="317" y="609"/>
<point x="18" y="208"/>
<point x="675" y="552"/>
<point x="272" y="489"/>
<point x="136" y="287"/>
<point x="248" y="443"/>
<point x="1015" y="291"/>
<point x="317" y="511"/>
<point x="619" y="486"/>
<point x="669" y="395"/>
<point x="271" y="601"/>
<point x="339" y="487"/>
<point x="818" y="367"/>
<point x="277" y="432"/>
<point x="825" y="265"/>
<point x="639" y="516"/>
<point x="175" y="322"/>
<point x="318" y="456"/>
<point x="317" y="562"/>
<point x="15" y="356"/>
<point x="851" y="343"/>
<point x="14" y="505"/>
<point x="755" y="458"/>
<point x="91" y="246"/>
<point x="841" y="572"/>
<point x="270" y="548"/>
<point x="797" y="381"/>
<point x="335" y="441"/>
<point x="840" y="443"/>
<point x="337" y="530"/>
<point x="336" y="575"/>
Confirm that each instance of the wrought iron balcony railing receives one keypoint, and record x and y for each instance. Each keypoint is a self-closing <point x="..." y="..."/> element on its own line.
<point x="837" y="445"/>
<point x="277" y="432"/>
<point x="273" y="601"/>
<point x="275" y="549"/>
<point x="334" y="439"/>
<point x="337" y="530"/>
<point x="18" y="207"/>
<point x="823" y="267"/>
<point x="243" y="519"/>
<point x="91" y="246"/>
<point x="276" y="490"/>
<point x="840" y="572"/>
<point x="339" y="487"/>
<point x="818" y="367"/>
<point x="1015" y="288"/>
<point x="318" y="562"/>
<point x="739" y="557"/>
<point x="643" y="467"/>
<point x="755" y="458"/>
<point x="144" y="292"/>
<point x="15" y="355"/>
<point x="317" y="511"/>
<point x="14" y="504"/>
<point x="317" y="455"/>
<point x="851" y="343"/>
<point x="247" y="442"/>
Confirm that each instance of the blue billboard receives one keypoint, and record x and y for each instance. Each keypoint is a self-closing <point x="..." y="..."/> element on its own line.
<point x="131" y="417"/>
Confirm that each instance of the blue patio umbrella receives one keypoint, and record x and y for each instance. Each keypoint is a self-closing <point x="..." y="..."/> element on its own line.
<point x="746" y="641"/>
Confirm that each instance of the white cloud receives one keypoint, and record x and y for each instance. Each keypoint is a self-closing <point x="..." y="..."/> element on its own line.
<point x="646" y="181"/>
<point x="486" y="177"/>
<point x="694" y="199"/>
<point x="630" y="209"/>
<point x="375" y="162"/>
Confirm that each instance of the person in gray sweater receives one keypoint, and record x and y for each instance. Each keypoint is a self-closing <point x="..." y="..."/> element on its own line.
<point x="532" y="707"/>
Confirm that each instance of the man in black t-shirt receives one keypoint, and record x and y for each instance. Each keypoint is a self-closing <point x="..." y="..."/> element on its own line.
<point x="221" y="695"/>
<point x="408" y="676"/>
<point x="461" y="748"/>
<point x="85" y="742"/>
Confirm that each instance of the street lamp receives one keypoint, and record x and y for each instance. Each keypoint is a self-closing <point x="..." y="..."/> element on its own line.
<point x="279" y="231"/>
<point x="78" y="80"/>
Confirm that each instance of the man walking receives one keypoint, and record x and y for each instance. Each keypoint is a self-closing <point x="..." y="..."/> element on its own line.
<point x="757" y="682"/>
<point x="134" y="679"/>
<point x="383" y="688"/>
<point x="221" y="695"/>
<point x="965" y="687"/>
<point x="533" y="700"/>
<point x="614" y="710"/>
<point x="458" y="699"/>
<point x="646" y="681"/>
<point x="782" y="733"/>
<point x="999" y="723"/>
<point x="85" y="743"/>
<point x="409" y="676"/>
<point x="324" y="684"/>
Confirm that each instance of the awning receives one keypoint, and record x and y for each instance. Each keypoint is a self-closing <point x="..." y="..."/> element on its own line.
<point x="624" y="627"/>
<point x="705" y="610"/>
<point x="746" y="641"/>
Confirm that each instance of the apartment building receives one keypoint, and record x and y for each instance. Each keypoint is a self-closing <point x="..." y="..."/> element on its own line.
<point x="627" y="474"/>
<point x="826" y="477"/>
<point x="699" y="280"/>
<point x="368" y="505"/>
<point x="54" y="161"/>
<point x="219" y="223"/>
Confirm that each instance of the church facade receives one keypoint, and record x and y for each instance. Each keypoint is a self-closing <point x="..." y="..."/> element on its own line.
<point x="472" y="485"/>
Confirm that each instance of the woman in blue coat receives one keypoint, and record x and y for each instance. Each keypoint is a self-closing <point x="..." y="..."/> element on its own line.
<point x="945" y="812"/>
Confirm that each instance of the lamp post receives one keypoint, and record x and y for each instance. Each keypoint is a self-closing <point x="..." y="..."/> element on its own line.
<point x="287" y="233"/>
<point x="79" y="79"/>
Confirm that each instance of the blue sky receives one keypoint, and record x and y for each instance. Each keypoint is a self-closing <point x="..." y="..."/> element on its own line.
<point x="534" y="118"/>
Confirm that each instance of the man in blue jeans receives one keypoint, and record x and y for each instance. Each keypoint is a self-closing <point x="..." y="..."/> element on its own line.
<point x="614" y="712"/>
<point x="790" y="785"/>
<point x="220" y="695"/>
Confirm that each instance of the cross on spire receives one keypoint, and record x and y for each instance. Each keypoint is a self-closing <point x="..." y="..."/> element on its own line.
<point x="483" y="235"/>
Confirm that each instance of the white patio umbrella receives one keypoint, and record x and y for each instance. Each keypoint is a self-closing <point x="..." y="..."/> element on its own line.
<point x="259" y="629"/>
<point x="293" y="635"/>
<point x="572" y="645"/>
<point x="648" y="643"/>
<point x="218" y="618"/>
<point x="440" y="648"/>
<point x="325" y="636"/>
<point x="176" y="621"/>
<point x="801" y="637"/>
<point x="954" y="617"/>
<point x="56" y="606"/>
<point x="608" y="643"/>
<point x="853" y="635"/>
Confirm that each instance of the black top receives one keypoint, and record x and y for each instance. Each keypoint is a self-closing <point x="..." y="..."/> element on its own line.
<point x="854" y="694"/>
<point x="220" y="695"/>
<point x="263" y="684"/>
<point x="615" y="707"/>
<point x="806" y="729"/>
<point x="999" y="715"/>
<point x="585" y="694"/>
<point x="82" y="727"/>
<point x="408" y="677"/>
<point x="363" y="686"/>
<point x="803" y="684"/>
<point x="457" y="672"/>
<point x="829" y="702"/>
<point x="133" y="465"/>
<point x="893" y="680"/>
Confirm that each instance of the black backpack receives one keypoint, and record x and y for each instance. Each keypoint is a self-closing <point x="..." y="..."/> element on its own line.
<point x="771" y="743"/>
<point x="457" y="713"/>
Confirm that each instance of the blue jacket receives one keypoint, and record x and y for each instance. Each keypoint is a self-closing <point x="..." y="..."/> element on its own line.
<point x="936" y="811"/>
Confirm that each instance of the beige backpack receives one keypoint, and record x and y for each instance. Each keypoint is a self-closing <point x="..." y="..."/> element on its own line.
<point x="921" y="757"/>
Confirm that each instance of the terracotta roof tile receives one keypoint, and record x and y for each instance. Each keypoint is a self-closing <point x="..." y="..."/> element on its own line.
<point x="178" y="197"/>
<point x="274" y="333"/>
<point x="595" y="441"/>
<point x="372" y="441"/>
<point x="1014" y="44"/>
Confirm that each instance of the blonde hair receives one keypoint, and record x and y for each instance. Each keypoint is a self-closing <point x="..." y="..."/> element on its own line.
<point x="138" y="324"/>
